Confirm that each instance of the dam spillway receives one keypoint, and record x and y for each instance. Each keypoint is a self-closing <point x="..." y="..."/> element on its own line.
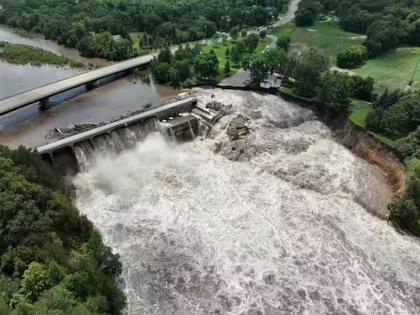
<point x="177" y="120"/>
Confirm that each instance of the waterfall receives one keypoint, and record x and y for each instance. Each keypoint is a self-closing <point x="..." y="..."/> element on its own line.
<point x="124" y="138"/>
<point x="116" y="141"/>
<point x="283" y="231"/>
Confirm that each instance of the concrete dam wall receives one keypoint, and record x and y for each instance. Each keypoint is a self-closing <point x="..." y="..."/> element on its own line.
<point x="178" y="121"/>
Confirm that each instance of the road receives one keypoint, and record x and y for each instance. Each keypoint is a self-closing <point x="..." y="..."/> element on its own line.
<point x="242" y="77"/>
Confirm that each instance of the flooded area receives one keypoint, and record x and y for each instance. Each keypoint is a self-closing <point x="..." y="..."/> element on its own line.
<point x="113" y="98"/>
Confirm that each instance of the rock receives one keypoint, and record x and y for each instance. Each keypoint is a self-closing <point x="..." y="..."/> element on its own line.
<point x="237" y="128"/>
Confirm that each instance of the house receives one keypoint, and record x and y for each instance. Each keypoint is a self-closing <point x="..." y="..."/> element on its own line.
<point x="272" y="81"/>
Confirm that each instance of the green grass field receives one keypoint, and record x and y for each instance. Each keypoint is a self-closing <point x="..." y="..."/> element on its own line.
<point x="284" y="30"/>
<point x="358" y="114"/>
<point x="135" y="38"/>
<point x="394" y="70"/>
<point x="325" y="36"/>
<point x="220" y="51"/>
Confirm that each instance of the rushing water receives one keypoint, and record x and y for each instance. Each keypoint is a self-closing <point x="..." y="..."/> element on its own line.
<point x="30" y="127"/>
<point x="275" y="223"/>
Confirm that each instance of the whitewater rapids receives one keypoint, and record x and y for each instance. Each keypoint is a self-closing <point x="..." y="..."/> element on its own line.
<point x="279" y="222"/>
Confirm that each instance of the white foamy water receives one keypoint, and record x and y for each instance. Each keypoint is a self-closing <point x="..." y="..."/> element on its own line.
<point x="285" y="229"/>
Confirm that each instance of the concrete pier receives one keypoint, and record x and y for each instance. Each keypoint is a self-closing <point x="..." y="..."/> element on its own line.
<point x="61" y="154"/>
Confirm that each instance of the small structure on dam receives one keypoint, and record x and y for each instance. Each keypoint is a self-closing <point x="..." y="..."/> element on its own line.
<point x="178" y="121"/>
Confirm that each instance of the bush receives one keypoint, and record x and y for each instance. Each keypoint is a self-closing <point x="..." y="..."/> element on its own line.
<point x="363" y="88"/>
<point x="352" y="57"/>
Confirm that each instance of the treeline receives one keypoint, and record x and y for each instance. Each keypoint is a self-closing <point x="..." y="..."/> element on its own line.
<point x="92" y="26"/>
<point x="397" y="114"/>
<point x="387" y="24"/>
<point x="52" y="260"/>
<point x="190" y="64"/>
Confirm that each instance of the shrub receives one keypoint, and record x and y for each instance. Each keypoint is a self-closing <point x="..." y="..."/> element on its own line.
<point x="352" y="57"/>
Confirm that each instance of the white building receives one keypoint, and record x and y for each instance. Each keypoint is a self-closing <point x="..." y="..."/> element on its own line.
<point x="271" y="82"/>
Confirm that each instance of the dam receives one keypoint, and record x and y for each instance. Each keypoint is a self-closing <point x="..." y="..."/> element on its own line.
<point x="178" y="121"/>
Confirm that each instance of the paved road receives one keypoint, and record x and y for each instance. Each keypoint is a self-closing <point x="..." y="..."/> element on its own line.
<point x="242" y="77"/>
<point x="22" y="99"/>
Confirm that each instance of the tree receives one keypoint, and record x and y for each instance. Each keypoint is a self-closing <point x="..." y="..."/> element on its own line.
<point x="283" y="42"/>
<point x="227" y="53"/>
<point x="259" y="69"/>
<point x="234" y="32"/>
<point x="308" y="71"/>
<point x="251" y="42"/>
<point x="227" y="67"/>
<point x="363" y="88"/>
<point x="162" y="72"/>
<point x="207" y="65"/>
<point x="308" y="11"/>
<point x="236" y="57"/>
<point x="35" y="280"/>
<point x="335" y="91"/>
<point x="352" y="57"/>
<point x="263" y="34"/>
<point x="165" y="55"/>
<point x="276" y="60"/>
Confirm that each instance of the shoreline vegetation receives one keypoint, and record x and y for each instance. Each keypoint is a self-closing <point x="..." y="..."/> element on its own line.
<point x="52" y="259"/>
<point x="377" y="86"/>
<point x="24" y="54"/>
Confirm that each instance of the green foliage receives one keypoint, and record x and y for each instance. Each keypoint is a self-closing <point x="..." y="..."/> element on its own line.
<point x="258" y="68"/>
<point x="335" y="92"/>
<point x="308" y="11"/>
<point x="409" y="146"/>
<point x="395" y="113"/>
<point x="276" y="60"/>
<point x="251" y="42"/>
<point x="206" y="65"/>
<point x="405" y="213"/>
<point x="52" y="261"/>
<point x="363" y="88"/>
<point x="227" y="67"/>
<point x="308" y="71"/>
<point x="90" y="24"/>
<point x="388" y="24"/>
<point x="352" y="57"/>
<point x="24" y="54"/>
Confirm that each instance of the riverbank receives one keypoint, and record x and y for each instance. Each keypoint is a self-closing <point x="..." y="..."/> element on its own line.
<point x="24" y="54"/>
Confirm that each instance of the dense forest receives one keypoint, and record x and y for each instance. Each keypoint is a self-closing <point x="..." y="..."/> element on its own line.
<point x="102" y="28"/>
<point x="52" y="260"/>
<point x="387" y="23"/>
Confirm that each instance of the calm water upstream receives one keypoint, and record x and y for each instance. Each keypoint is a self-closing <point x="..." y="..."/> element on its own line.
<point x="286" y="229"/>
<point x="29" y="127"/>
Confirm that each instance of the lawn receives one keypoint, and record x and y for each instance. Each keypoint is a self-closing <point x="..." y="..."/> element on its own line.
<point x="135" y="38"/>
<point x="327" y="37"/>
<point x="358" y="114"/>
<point x="220" y="51"/>
<point x="394" y="70"/>
<point x="284" y="30"/>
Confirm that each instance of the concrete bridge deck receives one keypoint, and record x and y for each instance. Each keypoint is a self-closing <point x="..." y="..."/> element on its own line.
<point x="44" y="92"/>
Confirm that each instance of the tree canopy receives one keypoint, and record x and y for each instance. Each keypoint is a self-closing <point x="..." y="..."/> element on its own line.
<point x="52" y="260"/>
<point x="102" y="28"/>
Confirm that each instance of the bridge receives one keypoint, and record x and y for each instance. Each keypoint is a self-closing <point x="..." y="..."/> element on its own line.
<point x="43" y="93"/>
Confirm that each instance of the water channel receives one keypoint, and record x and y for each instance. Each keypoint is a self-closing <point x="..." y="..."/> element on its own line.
<point x="276" y="223"/>
<point x="30" y="127"/>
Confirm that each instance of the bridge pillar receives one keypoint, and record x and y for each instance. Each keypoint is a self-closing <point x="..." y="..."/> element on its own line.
<point x="44" y="103"/>
<point x="91" y="85"/>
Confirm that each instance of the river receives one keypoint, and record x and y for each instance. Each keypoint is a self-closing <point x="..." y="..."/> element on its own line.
<point x="277" y="222"/>
<point x="30" y="127"/>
